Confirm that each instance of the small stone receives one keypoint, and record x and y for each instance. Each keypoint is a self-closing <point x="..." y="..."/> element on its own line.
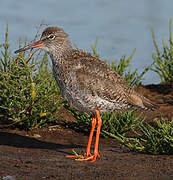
<point x="8" y="178"/>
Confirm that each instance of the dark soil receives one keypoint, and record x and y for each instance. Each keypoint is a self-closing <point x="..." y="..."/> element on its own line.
<point x="40" y="154"/>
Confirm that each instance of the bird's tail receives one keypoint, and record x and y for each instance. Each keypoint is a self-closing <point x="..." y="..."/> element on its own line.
<point x="147" y="104"/>
<point x="141" y="102"/>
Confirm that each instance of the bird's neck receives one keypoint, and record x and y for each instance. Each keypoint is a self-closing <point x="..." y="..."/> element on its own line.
<point x="60" y="53"/>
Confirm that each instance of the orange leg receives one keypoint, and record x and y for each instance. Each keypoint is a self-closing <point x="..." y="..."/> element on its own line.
<point x="99" y="123"/>
<point x="93" y="124"/>
<point x="88" y="156"/>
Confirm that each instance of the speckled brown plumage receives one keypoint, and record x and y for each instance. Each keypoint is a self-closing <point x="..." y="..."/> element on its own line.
<point x="86" y="82"/>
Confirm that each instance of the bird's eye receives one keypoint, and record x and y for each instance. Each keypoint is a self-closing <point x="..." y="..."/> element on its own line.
<point x="51" y="36"/>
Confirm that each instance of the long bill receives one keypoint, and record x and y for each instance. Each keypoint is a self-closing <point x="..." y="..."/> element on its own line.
<point x="30" y="46"/>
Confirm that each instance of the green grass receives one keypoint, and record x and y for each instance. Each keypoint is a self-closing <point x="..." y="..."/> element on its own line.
<point x="29" y="96"/>
<point x="129" y="128"/>
<point x="163" y="59"/>
<point x="157" y="139"/>
<point x="116" y="123"/>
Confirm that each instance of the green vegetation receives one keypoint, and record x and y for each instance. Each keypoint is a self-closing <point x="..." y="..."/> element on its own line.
<point x="121" y="122"/>
<point x="113" y="122"/>
<point x="156" y="139"/>
<point x="163" y="60"/>
<point x="29" y="96"/>
<point x="143" y="138"/>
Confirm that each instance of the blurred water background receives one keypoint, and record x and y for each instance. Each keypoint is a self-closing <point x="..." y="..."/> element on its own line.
<point x="119" y="25"/>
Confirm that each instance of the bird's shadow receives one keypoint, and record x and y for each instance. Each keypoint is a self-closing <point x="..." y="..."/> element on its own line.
<point x="19" y="141"/>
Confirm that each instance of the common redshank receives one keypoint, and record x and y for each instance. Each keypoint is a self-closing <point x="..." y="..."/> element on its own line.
<point x="87" y="83"/>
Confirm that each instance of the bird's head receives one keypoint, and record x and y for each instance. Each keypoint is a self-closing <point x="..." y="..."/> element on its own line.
<point x="52" y="39"/>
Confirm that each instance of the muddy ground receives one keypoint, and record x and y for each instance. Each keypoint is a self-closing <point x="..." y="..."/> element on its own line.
<point x="40" y="154"/>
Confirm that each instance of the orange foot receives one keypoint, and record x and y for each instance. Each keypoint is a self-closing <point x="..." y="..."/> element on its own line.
<point x="90" y="157"/>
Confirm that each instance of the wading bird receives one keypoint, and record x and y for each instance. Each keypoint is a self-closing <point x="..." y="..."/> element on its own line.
<point x="87" y="83"/>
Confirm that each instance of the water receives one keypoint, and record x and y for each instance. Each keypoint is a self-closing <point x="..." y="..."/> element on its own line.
<point x="120" y="26"/>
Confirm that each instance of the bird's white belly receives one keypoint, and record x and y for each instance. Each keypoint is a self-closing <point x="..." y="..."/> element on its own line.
<point x="88" y="103"/>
